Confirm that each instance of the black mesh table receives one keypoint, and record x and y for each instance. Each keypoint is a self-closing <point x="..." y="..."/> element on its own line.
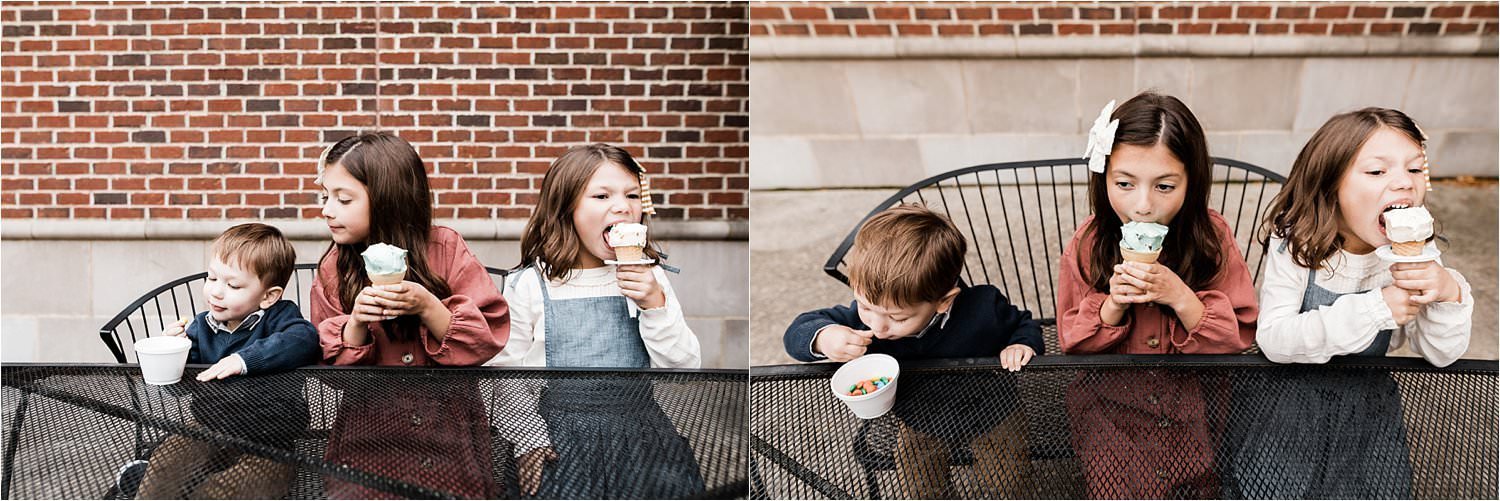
<point x="1126" y="426"/>
<point x="97" y="431"/>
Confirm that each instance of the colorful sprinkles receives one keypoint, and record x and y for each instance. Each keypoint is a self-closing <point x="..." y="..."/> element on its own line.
<point x="868" y="386"/>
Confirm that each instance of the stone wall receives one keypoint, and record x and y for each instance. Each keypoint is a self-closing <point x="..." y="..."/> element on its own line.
<point x="882" y="95"/>
<point x="891" y="122"/>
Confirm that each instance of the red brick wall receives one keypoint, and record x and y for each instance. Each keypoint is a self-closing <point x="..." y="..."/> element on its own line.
<point x="202" y="111"/>
<point x="908" y="19"/>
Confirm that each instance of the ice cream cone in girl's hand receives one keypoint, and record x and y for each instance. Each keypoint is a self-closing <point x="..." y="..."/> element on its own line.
<point x="629" y="241"/>
<point x="385" y="264"/>
<point x="1408" y="229"/>
<point x="1141" y="242"/>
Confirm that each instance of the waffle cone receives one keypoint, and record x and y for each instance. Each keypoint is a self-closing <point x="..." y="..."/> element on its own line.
<point x="387" y="279"/>
<point x="1407" y="248"/>
<point x="630" y="253"/>
<point x="1139" y="257"/>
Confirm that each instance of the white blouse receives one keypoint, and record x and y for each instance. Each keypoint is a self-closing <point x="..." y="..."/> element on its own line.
<point x="669" y="341"/>
<point x="1440" y="332"/>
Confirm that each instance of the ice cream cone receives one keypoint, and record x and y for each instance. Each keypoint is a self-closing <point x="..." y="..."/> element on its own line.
<point x="385" y="264"/>
<point x="1407" y="248"/>
<point x="388" y="278"/>
<point x="630" y="253"/>
<point x="629" y="241"/>
<point x="1139" y="257"/>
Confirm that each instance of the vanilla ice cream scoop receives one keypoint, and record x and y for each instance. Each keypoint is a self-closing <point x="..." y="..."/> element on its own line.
<point x="1408" y="225"/>
<point x="382" y="259"/>
<point x="1142" y="237"/>
<point x="627" y="235"/>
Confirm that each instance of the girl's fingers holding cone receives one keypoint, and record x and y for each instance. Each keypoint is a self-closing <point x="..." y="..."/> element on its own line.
<point x="1134" y="281"/>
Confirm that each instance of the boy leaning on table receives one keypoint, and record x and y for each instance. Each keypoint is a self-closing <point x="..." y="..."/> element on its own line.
<point x="904" y="270"/>
<point x="248" y="330"/>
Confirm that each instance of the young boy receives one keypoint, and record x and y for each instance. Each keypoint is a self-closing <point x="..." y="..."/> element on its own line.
<point x="247" y="330"/>
<point x="904" y="270"/>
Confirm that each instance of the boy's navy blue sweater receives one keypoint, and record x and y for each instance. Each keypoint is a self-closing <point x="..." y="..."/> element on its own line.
<point x="280" y="341"/>
<point x="981" y="323"/>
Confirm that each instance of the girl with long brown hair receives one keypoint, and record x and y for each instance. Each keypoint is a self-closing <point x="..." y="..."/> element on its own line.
<point x="447" y="311"/>
<point x="1151" y="166"/>
<point x="1327" y="293"/>
<point x="572" y="308"/>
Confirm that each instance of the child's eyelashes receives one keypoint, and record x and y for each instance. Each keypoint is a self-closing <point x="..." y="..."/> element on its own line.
<point x="1124" y="185"/>
<point x="606" y="196"/>
<point x="323" y="199"/>
<point x="1165" y="188"/>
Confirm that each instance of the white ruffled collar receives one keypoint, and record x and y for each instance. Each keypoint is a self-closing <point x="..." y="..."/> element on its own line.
<point x="588" y="277"/>
<point x="1354" y="266"/>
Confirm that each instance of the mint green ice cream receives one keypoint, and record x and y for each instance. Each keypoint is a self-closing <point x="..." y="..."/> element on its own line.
<point x="382" y="259"/>
<point x="1142" y="237"/>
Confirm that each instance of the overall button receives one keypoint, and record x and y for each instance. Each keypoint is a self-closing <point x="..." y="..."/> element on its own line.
<point x="1164" y="424"/>
<point x="427" y="463"/>
<point x="416" y="420"/>
<point x="1153" y="342"/>
<point x="1151" y="398"/>
<point x="407" y="358"/>
<point x="1161" y="473"/>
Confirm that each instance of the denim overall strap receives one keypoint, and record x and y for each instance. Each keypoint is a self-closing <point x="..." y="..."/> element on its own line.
<point x="1315" y="296"/>
<point x="591" y="332"/>
<point x="600" y="425"/>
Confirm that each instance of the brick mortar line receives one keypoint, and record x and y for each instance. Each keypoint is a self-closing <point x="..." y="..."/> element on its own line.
<point x="188" y="229"/>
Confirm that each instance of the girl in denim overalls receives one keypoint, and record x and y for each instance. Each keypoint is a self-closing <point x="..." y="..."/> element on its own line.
<point x="569" y="308"/>
<point x="1340" y="433"/>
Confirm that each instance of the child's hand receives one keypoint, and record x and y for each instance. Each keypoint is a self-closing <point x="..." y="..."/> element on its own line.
<point x="1015" y="356"/>
<point x="368" y="308"/>
<point x="227" y="366"/>
<point x="639" y="283"/>
<point x="529" y="468"/>
<point x="178" y="328"/>
<point x="391" y="301"/>
<point x="1121" y="292"/>
<point x="1399" y="300"/>
<point x="842" y="344"/>
<point x="1156" y="284"/>
<point x="1427" y="282"/>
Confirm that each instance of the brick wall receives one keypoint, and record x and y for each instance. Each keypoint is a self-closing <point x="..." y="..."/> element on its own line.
<point x="204" y="111"/>
<point x="916" y="19"/>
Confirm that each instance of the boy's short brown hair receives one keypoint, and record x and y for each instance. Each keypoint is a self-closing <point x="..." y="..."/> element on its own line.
<point x="906" y="255"/>
<point x="259" y="249"/>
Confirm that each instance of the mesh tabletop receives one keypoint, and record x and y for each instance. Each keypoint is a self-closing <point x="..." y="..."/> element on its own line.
<point x="1127" y="426"/>
<point x="98" y="431"/>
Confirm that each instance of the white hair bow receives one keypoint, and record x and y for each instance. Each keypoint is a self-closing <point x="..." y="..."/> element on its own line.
<point x="1101" y="138"/>
<point x="322" y="158"/>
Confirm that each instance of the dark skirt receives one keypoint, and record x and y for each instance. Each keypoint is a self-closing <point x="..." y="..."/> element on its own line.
<point x="599" y="429"/>
<point x="1337" y="435"/>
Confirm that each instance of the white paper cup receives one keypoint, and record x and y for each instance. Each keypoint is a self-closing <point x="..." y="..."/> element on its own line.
<point x="871" y="405"/>
<point x="162" y="358"/>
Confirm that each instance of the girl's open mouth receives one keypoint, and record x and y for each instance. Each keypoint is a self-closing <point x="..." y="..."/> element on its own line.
<point x="1380" y="219"/>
